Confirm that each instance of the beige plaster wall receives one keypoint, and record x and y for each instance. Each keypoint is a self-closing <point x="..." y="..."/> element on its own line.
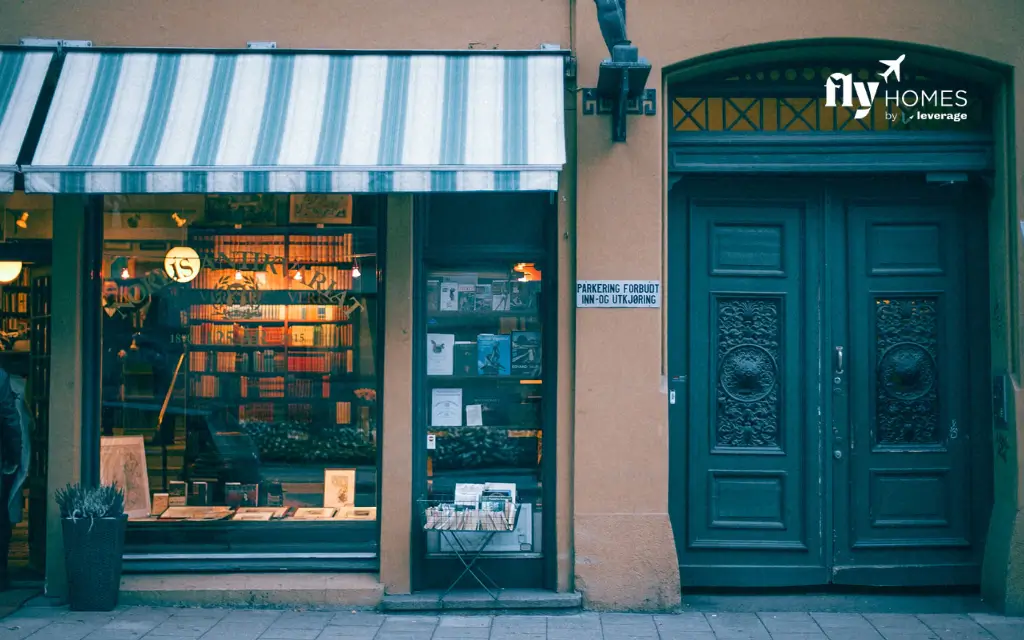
<point x="625" y="554"/>
<point x="300" y="24"/>
<point x="396" y="450"/>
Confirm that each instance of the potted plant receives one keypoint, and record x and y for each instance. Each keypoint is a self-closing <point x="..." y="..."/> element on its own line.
<point x="93" y="522"/>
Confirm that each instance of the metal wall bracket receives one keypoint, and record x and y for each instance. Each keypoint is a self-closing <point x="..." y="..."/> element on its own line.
<point x="646" y="104"/>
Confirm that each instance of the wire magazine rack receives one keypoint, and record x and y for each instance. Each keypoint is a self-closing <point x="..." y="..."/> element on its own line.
<point x="455" y="520"/>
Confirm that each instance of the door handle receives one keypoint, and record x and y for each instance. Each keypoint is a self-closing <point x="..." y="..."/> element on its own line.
<point x="839" y="359"/>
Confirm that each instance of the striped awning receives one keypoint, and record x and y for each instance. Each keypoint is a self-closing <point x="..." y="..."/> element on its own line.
<point x="280" y="122"/>
<point x="22" y="74"/>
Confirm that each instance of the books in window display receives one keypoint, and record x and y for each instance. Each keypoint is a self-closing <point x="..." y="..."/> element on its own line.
<point x="526" y="361"/>
<point x="494" y="354"/>
<point x="474" y="507"/>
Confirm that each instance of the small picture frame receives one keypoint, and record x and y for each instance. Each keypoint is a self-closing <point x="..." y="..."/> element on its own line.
<point x="320" y="208"/>
<point x="312" y="513"/>
<point x="339" y="488"/>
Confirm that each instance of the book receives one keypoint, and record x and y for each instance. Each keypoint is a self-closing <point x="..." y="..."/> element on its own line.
<point x="274" y="495"/>
<point x="521" y="296"/>
<point x="313" y="513"/>
<point x="499" y="295"/>
<point x="433" y="295"/>
<point x="526" y="352"/>
<point x="484" y="297"/>
<point x="200" y="496"/>
<point x="465" y="359"/>
<point x="440" y="354"/>
<point x="449" y="297"/>
<point x="177" y="492"/>
<point x="494" y="354"/>
<point x="467" y="297"/>
<point x="250" y="495"/>
<point x="446" y="408"/>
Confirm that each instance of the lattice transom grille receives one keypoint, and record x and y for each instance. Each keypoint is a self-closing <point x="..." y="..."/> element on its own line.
<point x="794" y="100"/>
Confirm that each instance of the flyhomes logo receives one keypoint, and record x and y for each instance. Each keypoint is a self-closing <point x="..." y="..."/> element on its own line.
<point x="907" y="104"/>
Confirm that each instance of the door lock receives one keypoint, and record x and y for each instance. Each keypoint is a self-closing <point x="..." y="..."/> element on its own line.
<point x="837" y="454"/>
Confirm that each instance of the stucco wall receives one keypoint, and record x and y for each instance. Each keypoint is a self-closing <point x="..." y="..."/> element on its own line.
<point x="624" y="545"/>
<point x="300" y="24"/>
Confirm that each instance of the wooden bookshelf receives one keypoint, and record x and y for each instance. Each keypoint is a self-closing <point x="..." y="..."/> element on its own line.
<point x="274" y="324"/>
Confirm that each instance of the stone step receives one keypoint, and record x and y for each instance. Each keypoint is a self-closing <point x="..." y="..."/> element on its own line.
<point x="272" y="590"/>
<point x="477" y="600"/>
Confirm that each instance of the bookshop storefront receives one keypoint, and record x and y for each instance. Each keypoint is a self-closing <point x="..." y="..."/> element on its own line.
<point x="301" y="303"/>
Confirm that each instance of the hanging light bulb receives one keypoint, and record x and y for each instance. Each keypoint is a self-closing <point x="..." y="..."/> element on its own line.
<point x="133" y="346"/>
<point x="297" y="276"/>
<point x="355" y="270"/>
<point x="22" y="220"/>
<point x="9" y="271"/>
<point x="238" y="275"/>
<point x="125" y="274"/>
<point x="178" y="220"/>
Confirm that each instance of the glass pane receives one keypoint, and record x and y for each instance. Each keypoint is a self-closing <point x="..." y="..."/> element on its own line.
<point x="484" y="392"/>
<point x="240" y="370"/>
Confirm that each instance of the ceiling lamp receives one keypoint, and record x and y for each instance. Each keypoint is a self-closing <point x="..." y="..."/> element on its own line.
<point x="178" y="220"/>
<point x="22" y="221"/>
<point x="9" y="271"/>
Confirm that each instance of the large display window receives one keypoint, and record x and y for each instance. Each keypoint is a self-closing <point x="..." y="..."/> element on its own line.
<point x="485" y="379"/>
<point x="240" y="371"/>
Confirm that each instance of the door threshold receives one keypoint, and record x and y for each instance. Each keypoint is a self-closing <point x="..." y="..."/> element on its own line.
<point x="480" y="600"/>
<point x="826" y="602"/>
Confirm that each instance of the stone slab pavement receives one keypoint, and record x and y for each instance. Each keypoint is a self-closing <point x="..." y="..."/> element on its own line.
<point x="153" y="623"/>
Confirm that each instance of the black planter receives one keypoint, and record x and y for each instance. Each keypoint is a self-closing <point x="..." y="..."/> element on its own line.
<point x="92" y="556"/>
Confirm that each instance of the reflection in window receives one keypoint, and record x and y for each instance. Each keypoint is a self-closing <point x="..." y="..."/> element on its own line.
<point x="240" y="368"/>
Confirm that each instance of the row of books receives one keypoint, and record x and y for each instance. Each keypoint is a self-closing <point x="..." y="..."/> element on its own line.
<point x="295" y="412"/>
<point x="320" y="248"/>
<point x="300" y="312"/>
<point x="517" y="354"/>
<point x="497" y="295"/>
<point x="214" y="334"/>
<point x="14" y="302"/>
<point x="229" y="362"/>
<point x="280" y="277"/>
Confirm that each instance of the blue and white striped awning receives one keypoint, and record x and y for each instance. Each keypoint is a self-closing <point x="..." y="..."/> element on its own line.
<point x="302" y="122"/>
<point x="22" y="74"/>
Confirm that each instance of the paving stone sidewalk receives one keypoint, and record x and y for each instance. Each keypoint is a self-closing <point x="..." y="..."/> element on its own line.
<point x="131" y="623"/>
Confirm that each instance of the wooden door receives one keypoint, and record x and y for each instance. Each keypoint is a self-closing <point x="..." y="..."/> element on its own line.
<point x="828" y="346"/>
<point x="747" y="482"/>
<point x="906" y="495"/>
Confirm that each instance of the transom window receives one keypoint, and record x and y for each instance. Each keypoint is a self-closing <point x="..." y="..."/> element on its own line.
<point x="793" y="99"/>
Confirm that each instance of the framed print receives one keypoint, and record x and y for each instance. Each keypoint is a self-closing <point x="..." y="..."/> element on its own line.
<point x="339" y="488"/>
<point x="252" y="209"/>
<point x="196" y="513"/>
<point x="356" y="513"/>
<point x="254" y="516"/>
<point x="123" y="462"/>
<point x="320" y="208"/>
<point x="273" y="512"/>
<point x="309" y="513"/>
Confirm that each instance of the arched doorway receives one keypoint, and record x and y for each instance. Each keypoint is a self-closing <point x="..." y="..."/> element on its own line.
<point x="828" y="296"/>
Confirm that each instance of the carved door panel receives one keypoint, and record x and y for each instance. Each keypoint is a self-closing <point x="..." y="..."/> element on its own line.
<point x="747" y="492"/>
<point x="903" y="507"/>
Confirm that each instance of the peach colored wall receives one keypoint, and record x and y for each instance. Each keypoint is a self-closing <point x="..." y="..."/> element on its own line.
<point x="299" y="24"/>
<point x="621" y="402"/>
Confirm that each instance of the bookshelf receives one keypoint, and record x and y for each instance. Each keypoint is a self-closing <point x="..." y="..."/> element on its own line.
<point x="275" y="323"/>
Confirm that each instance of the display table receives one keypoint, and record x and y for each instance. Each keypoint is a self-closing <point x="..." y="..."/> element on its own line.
<point x="453" y="521"/>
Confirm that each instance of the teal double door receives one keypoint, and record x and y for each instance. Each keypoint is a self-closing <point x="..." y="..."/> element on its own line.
<point x="828" y="367"/>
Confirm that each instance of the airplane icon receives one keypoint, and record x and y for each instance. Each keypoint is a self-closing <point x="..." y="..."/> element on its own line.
<point x="892" y="65"/>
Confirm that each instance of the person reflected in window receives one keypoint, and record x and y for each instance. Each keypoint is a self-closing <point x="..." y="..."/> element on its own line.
<point x="11" y="443"/>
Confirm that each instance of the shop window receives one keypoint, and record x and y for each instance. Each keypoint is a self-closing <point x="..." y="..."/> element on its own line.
<point x="241" y="369"/>
<point x="792" y="99"/>
<point x="486" y="382"/>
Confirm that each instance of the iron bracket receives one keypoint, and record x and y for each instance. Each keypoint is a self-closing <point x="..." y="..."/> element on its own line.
<point x="646" y="104"/>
